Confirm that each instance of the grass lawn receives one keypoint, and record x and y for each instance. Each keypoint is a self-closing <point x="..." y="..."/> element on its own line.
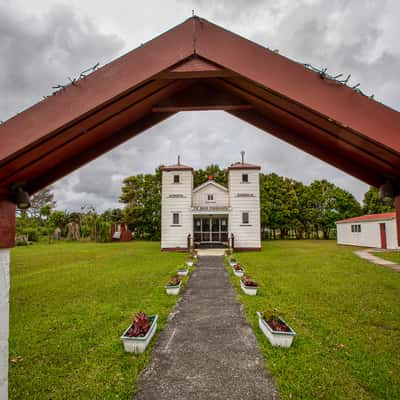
<point x="70" y="302"/>
<point x="389" y="255"/>
<point x="345" y="310"/>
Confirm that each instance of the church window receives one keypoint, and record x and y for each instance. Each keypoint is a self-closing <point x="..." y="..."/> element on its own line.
<point x="175" y="218"/>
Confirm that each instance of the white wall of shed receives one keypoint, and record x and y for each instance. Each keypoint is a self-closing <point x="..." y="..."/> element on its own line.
<point x="370" y="234"/>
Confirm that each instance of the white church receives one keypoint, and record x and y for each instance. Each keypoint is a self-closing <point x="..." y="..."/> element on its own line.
<point x="210" y="215"/>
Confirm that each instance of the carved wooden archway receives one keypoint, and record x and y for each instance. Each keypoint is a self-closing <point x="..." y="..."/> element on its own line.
<point x="195" y="66"/>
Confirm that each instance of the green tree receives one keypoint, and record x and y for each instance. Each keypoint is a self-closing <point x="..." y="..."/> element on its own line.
<point x="372" y="204"/>
<point x="278" y="205"/>
<point x="220" y="175"/>
<point x="34" y="222"/>
<point x="346" y="205"/>
<point x="142" y="196"/>
<point x="326" y="204"/>
<point x="42" y="203"/>
<point x="58" y="219"/>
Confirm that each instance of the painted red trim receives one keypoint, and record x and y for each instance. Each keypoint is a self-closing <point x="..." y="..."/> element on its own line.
<point x="132" y="69"/>
<point x="175" y="249"/>
<point x="397" y="206"/>
<point x="176" y="167"/>
<point x="247" y="249"/>
<point x="293" y="81"/>
<point x="240" y="165"/>
<point x="7" y="223"/>
<point x="382" y="231"/>
<point x="369" y="217"/>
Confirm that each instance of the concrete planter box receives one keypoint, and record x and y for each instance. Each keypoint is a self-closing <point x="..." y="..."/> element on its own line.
<point x="238" y="273"/>
<point x="174" y="290"/>
<point x="182" y="272"/>
<point x="189" y="263"/>
<point x="250" y="290"/>
<point x="276" y="338"/>
<point x="232" y="263"/>
<point x="139" y="344"/>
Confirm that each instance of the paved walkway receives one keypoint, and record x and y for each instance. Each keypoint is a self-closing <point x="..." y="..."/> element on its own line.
<point x="366" y="255"/>
<point x="211" y="252"/>
<point x="207" y="350"/>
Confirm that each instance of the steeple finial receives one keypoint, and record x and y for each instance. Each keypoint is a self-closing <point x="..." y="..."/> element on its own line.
<point x="242" y="154"/>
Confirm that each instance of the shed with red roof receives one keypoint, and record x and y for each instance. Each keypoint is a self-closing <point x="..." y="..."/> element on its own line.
<point x="372" y="230"/>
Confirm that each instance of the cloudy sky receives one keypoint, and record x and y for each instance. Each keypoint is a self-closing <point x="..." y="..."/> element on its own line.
<point x="43" y="42"/>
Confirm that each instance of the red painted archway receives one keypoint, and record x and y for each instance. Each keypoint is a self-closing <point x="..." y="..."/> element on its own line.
<point x="195" y="66"/>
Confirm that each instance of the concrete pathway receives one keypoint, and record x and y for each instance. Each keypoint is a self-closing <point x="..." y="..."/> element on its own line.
<point x="211" y="252"/>
<point x="207" y="350"/>
<point x="366" y="255"/>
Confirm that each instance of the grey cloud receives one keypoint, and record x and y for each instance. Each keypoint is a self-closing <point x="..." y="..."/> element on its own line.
<point x="243" y="10"/>
<point x="39" y="52"/>
<point x="354" y="37"/>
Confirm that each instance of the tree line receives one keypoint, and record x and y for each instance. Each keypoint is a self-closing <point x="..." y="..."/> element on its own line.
<point x="288" y="208"/>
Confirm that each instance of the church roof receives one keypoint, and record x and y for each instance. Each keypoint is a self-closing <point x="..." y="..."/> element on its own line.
<point x="369" y="217"/>
<point x="176" y="167"/>
<point x="240" y="165"/>
<point x="207" y="183"/>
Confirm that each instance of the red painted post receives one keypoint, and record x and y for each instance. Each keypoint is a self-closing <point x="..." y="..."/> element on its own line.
<point x="7" y="240"/>
<point x="397" y="208"/>
<point x="7" y="223"/>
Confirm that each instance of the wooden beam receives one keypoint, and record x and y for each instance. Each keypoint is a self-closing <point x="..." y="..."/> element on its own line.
<point x="339" y="137"/>
<point x="196" y="67"/>
<point x="202" y="96"/>
<point x="37" y="166"/>
<point x="86" y="155"/>
<point x="291" y="79"/>
<point x="313" y="147"/>
<point x="128" y="72"/>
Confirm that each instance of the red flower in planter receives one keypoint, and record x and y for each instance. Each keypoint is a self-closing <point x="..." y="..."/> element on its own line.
<point x="175" y="280"/>
<point x="140" y="325"/>
<point x="238" y="267"/>
<point x="275" y="323"/>
<point x="249" y="282"/>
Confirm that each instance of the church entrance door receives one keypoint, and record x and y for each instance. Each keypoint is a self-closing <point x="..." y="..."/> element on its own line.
<point x="211" y="229"/>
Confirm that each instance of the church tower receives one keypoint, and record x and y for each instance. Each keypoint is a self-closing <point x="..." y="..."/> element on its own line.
<point x="176" y="203"/>
<point x="244" y="199"/>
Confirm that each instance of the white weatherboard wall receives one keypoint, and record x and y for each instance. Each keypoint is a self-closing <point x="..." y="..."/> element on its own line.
<point x="176" y="198"/>
<point x="200" y="196"/>
<point x="4" y="320"/>
<point x="370" y="233"/>
<point x="245" y="197"/>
